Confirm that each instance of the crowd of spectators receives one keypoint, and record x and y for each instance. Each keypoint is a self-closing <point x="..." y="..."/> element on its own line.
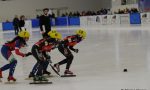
<point x="99" y="12"/>
<point x="87" y="13"/>
<point x="126" y="11"/>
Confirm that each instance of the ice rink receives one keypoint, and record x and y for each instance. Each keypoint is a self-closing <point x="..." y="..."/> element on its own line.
<point x="99" y="64"/>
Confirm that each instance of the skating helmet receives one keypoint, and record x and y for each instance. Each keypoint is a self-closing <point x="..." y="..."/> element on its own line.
<point x="59" y="36"/>
<point x="52" y="31"/>
<point x="81" y="33"/>
<point x="24" y="34"/>
<point x="56" y="35"/>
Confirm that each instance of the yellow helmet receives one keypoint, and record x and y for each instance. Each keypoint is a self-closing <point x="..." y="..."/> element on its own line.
<point x="24" y="34"/>
<point x="52" y="31"/>
<point x="55" y="35"/>
<point x="81" y="33"/>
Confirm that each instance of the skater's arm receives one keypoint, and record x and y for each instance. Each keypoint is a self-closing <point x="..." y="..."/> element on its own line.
<point x="18" y="52"/>
<point x="73" y="49"/>
<point x="18" y="45"/>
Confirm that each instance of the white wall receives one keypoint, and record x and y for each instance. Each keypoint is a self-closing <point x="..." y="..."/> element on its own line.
<point x="28" y="7"/>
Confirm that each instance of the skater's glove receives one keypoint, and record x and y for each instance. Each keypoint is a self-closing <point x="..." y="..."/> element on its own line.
<point x="28" y="54"/>
<point x="76" y="50"/>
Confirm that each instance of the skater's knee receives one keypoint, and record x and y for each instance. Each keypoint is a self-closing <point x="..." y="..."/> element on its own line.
<point x="70" y="57"/>
<point x="13" y="61"/>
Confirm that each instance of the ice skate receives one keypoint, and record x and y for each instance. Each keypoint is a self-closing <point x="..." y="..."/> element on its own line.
<point x="40" y="80"/>
<point x="57" y="67"/>
<point x="68" y="73"/>
<point x="11" y="78"/>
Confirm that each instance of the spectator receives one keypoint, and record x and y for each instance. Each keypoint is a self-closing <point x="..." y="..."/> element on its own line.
<point x="63" y="15"/>
<point x="45" y="25"/>
<point x="22" y="22"/>
<point x="16" y="24"/>
<point x="53" y="15"/>
<point x="70" y="14"/>
<point x="37" y="16"/>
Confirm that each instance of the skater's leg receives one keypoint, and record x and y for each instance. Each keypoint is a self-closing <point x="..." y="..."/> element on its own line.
<point x="66" y="52"/>
<point x="8" y="56"/>
<point x="46" y="62"/>
<point x="13" y="63"/>
<point x="5" y="67"/>
<point x="12" y="68"/>
<point x="45" y="65"/>
<point x="34" y="70"/>
<point x="36" y="55"/>
<point x="70" y="59"/>
<point x="39" y="75"/>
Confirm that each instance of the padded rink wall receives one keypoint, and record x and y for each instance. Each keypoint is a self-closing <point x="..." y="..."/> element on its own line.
<point x="98" y="20"/>
<point x="117" y="19"/>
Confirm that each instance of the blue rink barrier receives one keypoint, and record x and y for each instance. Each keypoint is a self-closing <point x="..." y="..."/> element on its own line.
<point x="61" y="21"/>
<point x="7" y="26"/>
<point x="74" y="20"/>
<point x="35" y="23"/>
<point x="135" y="18"/>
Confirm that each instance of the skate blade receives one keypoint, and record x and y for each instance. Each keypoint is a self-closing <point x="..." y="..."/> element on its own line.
<point x="68" y="75"/>
<point x="37" y="82"/>
<point x="29" y="78"/>
<point x="49" y="76"/>
<point x="11" y="82"/>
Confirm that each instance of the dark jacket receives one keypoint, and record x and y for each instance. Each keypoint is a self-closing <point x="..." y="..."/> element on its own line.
<point x="21" y="23"/>
<point x="45" y="20"/>
<point x="16" y="22"/>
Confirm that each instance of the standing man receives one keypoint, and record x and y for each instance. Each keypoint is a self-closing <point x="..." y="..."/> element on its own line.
<point x="16" y="24"/>
<point x="45" y="22"/>
<point x="22" y="22"/>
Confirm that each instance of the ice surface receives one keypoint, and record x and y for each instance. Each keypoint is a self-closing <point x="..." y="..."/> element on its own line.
<point x="99" y="64"/>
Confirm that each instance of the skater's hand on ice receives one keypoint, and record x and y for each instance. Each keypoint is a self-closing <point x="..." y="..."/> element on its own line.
<point x="76" y="50"/>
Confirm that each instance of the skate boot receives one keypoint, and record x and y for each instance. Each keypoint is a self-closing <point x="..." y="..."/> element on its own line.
<point x="31" y="75"/>
<point x="42" y="78"/>
<point x="46" y="72"/>
<point x="1" y="74"/>
<point x="67" y="72"/>
<point x="11" y="78"/>
<point x="57" y="67"/>
<point x="36" y="78"/>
